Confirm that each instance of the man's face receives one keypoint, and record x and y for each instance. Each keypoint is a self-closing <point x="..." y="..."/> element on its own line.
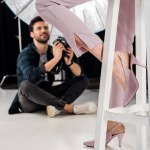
<point x="40" y="32"/>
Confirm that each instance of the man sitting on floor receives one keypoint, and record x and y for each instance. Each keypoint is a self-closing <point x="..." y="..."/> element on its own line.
<point x="36" y="67"/>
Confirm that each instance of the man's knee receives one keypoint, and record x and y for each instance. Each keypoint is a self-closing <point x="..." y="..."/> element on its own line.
<point x="25" y="85"/>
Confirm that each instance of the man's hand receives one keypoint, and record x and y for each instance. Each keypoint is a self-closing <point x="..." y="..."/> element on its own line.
<point x="74" y="67"/>
<point x="69" y="55"/>
<point x="57" y="50"/>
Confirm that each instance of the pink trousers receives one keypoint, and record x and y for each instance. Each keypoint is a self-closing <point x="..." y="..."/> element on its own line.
<point x="57" y="13"/>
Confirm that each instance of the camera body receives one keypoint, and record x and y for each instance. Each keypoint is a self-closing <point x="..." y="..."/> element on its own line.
<point x="62" y="41"/>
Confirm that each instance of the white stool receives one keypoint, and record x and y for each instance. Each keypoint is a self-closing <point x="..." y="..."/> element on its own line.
<point x="137" y="114"/>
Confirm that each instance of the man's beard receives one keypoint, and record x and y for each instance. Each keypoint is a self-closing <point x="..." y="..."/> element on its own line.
<point x="42" y="41"/>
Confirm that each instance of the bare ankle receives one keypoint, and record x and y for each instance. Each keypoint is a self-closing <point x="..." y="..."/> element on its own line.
<point x="111" y="125"/>
<point x="68" y="108"/>
<point x="120" y="63"/>
<point x="119" y="130"/>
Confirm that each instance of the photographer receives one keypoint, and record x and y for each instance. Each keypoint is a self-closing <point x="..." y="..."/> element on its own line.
<point x="36" y="66"/>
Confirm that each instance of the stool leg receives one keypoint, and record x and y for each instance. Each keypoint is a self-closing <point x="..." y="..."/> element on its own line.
<point x="141" y="141"/>
<point x="106" y="77"/>
<point x="147" y="21"/>
<point x="140" y="51"/>
<point x="141" y="73"/>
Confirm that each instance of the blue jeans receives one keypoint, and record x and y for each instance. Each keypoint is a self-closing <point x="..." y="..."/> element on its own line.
<point x="34" y="98"/>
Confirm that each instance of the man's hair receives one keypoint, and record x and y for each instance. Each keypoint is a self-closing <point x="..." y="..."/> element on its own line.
<point x="33" y="21"/>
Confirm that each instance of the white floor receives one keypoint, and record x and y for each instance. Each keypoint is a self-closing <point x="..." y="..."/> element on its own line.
<point x="64" y="132"/>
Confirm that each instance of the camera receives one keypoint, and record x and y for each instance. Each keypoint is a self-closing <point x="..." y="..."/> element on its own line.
<point x="62" y="41"/>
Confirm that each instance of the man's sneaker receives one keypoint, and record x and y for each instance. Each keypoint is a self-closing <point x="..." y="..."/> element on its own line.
<point x="86" y="108"/>
<point x="52" y="111"/>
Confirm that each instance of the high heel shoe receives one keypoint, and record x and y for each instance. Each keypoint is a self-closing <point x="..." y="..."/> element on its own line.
<point x="118" y="94"/>
<point x="109" y="137"/>
<point x="132" y="84"/>
<point x="122" y="96"/>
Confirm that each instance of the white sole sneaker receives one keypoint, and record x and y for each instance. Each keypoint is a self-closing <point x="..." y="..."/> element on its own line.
<point x="86" y="108"/>
<point x="52" y="111"/>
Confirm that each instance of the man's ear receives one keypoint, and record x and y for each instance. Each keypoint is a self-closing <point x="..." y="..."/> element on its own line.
<point x="31" y="34"/>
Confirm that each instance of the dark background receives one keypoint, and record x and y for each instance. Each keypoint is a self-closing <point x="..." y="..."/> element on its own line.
<point x="9" y="46"/>
<point x="9" y="43"/>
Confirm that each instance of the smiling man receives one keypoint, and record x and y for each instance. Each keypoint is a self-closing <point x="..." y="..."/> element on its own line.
<point x="37" y="65"/>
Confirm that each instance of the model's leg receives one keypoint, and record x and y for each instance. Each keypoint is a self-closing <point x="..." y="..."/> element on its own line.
<point x="58" y="14"/>
<point x="78" y="34"/>
<point x="75" y="32"/>
<point x="125" y="36"/>
<point x="124" y="40"/>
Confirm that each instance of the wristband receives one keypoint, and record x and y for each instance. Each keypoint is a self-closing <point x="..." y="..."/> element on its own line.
<point x="70" y="63"/>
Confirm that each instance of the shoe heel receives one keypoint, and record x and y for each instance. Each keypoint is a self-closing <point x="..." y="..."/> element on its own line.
<point x="135" y="61"/>
<point x="89" y="143"/>
<point x="120" y="137"/>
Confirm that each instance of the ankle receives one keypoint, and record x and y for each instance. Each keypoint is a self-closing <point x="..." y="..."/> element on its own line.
<point x="119" y="130"/>
<point x="111" y="125"/>
<point x="118" y="69"/>
<point x="69" y="108"/>
<point x="125" y="57"/>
